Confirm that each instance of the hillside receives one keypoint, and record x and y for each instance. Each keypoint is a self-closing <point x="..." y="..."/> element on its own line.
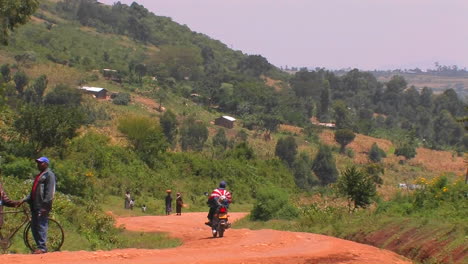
<point x="155" y="131"/>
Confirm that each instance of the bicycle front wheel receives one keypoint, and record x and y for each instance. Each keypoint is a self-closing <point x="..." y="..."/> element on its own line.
<point x="55" y="236"/>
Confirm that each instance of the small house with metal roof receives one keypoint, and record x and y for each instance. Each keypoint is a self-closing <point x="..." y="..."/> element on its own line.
<point x="97" y="92"/>
<point x="225" y="121"/>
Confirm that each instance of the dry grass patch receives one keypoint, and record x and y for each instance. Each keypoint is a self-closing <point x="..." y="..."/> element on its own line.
<point x="438" y="161"/>
<point x="432" y="160"/>
<point x="361" y="144"/>
<point x="292" y="129"/>
<point x="56" y="74"/>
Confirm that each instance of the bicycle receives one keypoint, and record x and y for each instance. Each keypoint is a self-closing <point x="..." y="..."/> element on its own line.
<point x="55" y="234"/>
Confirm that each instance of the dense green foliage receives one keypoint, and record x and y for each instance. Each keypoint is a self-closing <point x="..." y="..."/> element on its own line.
<point x="376" y="154"/>
<point x="273" y="203"/>
<point x="146" y="136"/>
<point x="193" y="134"/>
<point x="344" y="137"/>
<point x="286" y="150"/>
<point x="303" y="175"/>
<point x="14" y="13"/>
<point x="324" y="166"/>
<point x="168" y="122"/>
<point x="406" y="150"/>
<point x="121" y="99"/>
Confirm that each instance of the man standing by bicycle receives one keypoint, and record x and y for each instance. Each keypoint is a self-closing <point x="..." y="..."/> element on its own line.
<point x="40" y="201"/>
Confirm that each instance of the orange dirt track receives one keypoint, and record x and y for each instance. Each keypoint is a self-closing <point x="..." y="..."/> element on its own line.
<point x="238" y="246"/>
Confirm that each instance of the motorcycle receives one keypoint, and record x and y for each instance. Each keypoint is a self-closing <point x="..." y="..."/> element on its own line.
<point x="220" y="221"/>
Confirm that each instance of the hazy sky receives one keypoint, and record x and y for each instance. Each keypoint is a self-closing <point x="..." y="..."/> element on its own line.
<point x="367" y="34"/>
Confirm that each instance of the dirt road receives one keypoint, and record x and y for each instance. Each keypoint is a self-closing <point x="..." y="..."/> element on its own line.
<point x="238" y="246"/>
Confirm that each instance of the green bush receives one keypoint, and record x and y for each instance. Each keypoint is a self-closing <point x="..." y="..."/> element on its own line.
<point x="21" y="168"/>
<point x="121" y="99"/>
<point x="273" y="203"/>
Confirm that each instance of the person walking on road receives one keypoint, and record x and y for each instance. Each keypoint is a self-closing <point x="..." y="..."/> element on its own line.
<point x="168" y="202"/>
<point x="179" y="204"/>
<point x="40" y="200"/>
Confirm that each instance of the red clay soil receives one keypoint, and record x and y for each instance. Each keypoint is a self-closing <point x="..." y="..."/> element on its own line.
<point x="238" y="246"/>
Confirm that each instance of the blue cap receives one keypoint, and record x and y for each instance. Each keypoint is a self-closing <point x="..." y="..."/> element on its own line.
<point x="43" y="159"/>
<point x="222" y="184"/>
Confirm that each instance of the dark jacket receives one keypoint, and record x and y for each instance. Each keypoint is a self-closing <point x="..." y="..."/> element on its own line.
<point x="5" y="201"/>
<point x="42" y="201"/>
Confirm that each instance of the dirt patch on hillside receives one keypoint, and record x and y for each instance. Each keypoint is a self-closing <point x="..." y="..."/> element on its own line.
<point x="149" y="104"/>
<point x="277" y="84"/>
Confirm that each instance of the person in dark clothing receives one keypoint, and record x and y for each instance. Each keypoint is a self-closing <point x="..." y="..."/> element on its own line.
<point x="179" y="204"/>
<point x="168" y="202"/>
<point x="5" y="201"/>
<point x="40" y="200"/>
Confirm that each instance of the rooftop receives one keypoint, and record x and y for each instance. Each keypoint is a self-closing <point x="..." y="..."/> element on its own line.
<point x="92" y="89"/>
<point x="229" y="118"/>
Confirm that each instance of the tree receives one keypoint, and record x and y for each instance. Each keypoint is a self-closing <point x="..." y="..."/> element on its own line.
<point x="140" y="70"/>
<point x="35" y="93"/>
<point x="193" y="135"/>
<point x="40" y="85"/>
<point x="5" y="72"/>
<point x="146" y="137"/>
<point x="303" y="176"/>
<point x="357" y="187"/>
<point x="323" y="115"/>
<point x="376" y="154"/>
<point x="64" y="95"/>
<point x="342" y="115"/>
<point x="168" y="122"/>
<point x="344" y="137"/>
<point x="374" y="170"/>
<point x="121" y="99"/>
<point x="48" y="126"/>
<point x="161" y="96"/>
<point x="426" y="98"/>
<point x="446" y="129"/>
<point x="286" y="150"/>
<point x="255" y="65"/>
<point x="406" y="150"/>
<point x="21" y="80"/>
<point x="14" y="13"/>
<point x="220" y="140"/>
<point x="324" y="166"/>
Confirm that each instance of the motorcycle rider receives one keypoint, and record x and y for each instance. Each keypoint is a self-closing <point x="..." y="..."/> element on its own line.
<point x="219" y="196"/>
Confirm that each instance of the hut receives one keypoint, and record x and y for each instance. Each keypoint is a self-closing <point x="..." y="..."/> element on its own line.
<point x="225" y="121"/>
<point x="99" y="93"/>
